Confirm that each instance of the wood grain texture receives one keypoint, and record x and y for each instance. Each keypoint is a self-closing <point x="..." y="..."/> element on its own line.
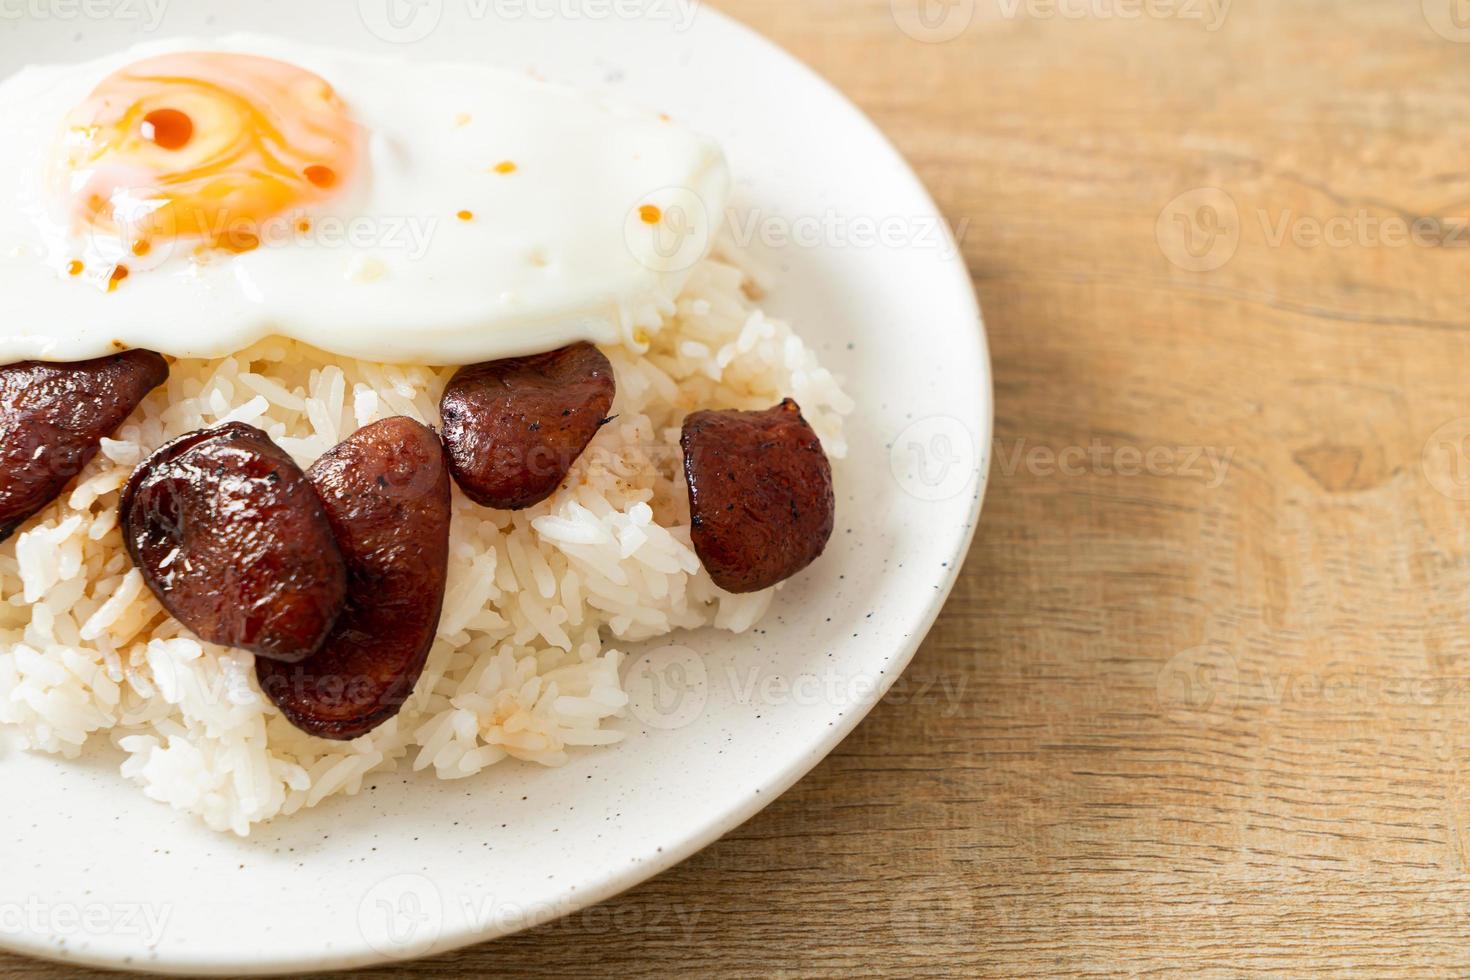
<point x="1179" y="714"/>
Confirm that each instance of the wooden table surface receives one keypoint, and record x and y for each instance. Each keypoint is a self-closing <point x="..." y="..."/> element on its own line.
<point x="1201" y="699"/>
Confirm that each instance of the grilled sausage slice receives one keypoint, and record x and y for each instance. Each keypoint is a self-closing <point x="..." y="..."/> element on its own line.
<point x="514" y="427"/>
<point x="53" y="418"/>
<point x="760" y="494"/>
<point x="386" y="493"/>
<point x="233" y="540"/>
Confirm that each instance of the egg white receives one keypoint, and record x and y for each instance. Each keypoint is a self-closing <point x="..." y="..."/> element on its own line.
<point x="556" y="251"/>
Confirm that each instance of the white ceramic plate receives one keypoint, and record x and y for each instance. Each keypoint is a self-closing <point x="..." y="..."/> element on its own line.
<point x="91" y="871"/>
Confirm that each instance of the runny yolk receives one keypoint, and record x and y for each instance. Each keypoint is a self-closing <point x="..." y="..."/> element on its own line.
<point x="505" y="167"/>
<point x="320" y="176"/>
<point x="195" y="145"/>
<point x="119" y="273"/>
<point x="239" y="241"/>
<point x="650" y="214"/>
<point x="168" y="128"/>
<point x="467" y="216"/>
<point x="75" y="267"/>
<point x="142" y="248"/>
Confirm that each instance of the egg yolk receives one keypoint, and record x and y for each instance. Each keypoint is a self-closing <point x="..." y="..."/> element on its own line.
<point x="203" y="146"/>
<point x="168" y="128"/>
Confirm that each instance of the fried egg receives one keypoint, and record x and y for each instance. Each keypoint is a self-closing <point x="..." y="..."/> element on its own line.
<point x="195" y="197"/>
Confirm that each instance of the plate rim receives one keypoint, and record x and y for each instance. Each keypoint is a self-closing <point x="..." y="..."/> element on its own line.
<point x="588" y="894"/>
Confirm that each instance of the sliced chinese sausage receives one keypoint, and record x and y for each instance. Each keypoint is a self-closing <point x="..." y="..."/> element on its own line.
<point x="514" y="428"/>
<point x="231" y="537"/>
<point x="386" y="492"/>
<point x="760" y="494"/>
<point x="53" y="418"/>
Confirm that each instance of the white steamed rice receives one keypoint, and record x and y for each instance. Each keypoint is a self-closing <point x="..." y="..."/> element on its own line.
<point x="525" y="665"/>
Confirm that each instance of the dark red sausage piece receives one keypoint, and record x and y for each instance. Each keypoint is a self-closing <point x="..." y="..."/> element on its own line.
<point x="514" y="428"/>
<point x="233" y="540"/>
<point x="386" y="492"/>
<point x="53" y="418"/>
<point x="760" y="494"/>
